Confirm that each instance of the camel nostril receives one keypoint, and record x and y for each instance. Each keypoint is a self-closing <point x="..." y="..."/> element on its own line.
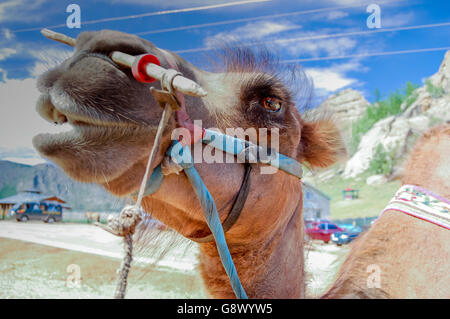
<point x="47" y="110"/>
<point x="59" y="117"/>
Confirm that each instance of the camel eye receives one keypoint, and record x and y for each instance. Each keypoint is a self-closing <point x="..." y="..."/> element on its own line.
<point x="271" y="104"/>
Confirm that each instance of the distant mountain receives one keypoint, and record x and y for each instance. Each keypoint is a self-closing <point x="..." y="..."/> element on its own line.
<point x="390" y="139"/>
<point x="397" y="134"/>
<point x="347" y="107"/>
<point x="50" y="179"/>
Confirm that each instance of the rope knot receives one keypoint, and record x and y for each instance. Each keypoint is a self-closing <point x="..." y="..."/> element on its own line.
<point x="125" y="224"/>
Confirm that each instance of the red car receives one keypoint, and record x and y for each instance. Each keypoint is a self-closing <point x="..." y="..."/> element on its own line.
<point x="321" y="230"/>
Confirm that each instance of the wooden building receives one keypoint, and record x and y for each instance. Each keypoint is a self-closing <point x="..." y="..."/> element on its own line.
<point x="316" y="204"/>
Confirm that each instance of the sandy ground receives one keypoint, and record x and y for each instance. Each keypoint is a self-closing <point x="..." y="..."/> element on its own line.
<point x="90" y="239"/>
<point x="39" y="260"/>
<point x="322" y="264"/>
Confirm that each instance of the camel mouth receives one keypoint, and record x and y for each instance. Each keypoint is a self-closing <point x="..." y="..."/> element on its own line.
<point x="57" y="108"/>
<point x="94" y="148"/>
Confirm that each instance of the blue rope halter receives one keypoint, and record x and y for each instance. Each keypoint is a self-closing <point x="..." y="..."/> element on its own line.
<point x="182" y="156"/>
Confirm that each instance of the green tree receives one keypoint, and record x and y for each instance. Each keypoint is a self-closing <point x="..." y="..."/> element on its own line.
<point x="392" y="105"/>
<point x="382" y="161"/>
<point x="435" y="92"/>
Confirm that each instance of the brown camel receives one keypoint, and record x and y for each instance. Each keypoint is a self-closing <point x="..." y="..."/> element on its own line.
<point x="402" y="256"/>
<point x="114" y="120"/>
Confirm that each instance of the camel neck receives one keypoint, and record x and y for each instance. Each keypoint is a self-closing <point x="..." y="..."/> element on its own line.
<point x="268" y="269"/>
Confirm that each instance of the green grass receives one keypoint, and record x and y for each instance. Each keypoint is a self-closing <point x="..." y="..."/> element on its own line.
<point x="372" y="199"/>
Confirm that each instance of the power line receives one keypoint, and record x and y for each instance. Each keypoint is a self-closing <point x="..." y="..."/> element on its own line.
<point x="335" y="35"/>
<point x="149" y="14"/>
<point x="281" y="15"/>
<point x="364" y="55"/>
<point x="339" y="57"/>
<point x="329" y="36"/>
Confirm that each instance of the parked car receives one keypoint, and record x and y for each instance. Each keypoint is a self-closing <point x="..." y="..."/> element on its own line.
<point x="346" y="236"/>
<point x="321" y="230"/>
<point x="48" y="212"/>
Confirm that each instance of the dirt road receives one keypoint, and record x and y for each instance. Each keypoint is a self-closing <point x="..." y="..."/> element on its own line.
<point x="34" y="258"/>
<point x="89" y="239"/>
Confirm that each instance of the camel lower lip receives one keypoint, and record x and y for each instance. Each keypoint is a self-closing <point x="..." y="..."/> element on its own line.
<point x="85" y="134"/>
<point x="79" y="134"/>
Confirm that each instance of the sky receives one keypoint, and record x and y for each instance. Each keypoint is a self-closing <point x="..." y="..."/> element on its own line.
<point x="330" y="39"/>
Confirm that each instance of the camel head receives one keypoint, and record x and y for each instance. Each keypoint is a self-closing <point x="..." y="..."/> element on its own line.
<point x="113" y="116"/>
<point x="114" y="120"/>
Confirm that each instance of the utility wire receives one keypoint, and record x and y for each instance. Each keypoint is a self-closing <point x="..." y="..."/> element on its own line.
<point x="149" y="14"/>
<point x="364" y="55"/>
<point x="328" y="36"/>
<point x="337" y="57"/>
<point x="281" y="15"/>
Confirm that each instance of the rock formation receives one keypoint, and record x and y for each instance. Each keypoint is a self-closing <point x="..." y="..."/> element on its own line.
<point x="398" y="133"/>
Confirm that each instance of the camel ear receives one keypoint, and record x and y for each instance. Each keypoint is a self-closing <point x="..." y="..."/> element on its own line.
<point x="321" y="143"/>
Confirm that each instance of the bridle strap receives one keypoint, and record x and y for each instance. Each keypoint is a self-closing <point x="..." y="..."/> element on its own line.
<point x="219" y="141"/>
<point x="234" y="146"/>
<point x="236" y="208"/>
<point x="183" y="120"/>
<point x="182" y="117"/>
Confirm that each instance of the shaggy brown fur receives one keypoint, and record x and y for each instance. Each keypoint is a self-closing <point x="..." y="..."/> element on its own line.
<point x="115" y="118"/>
<point x="412" y="254"/>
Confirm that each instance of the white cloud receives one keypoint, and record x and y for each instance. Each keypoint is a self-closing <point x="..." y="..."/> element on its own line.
<point x="19" y="121"/>
<point x="334" y="2"/>
<point x="250" y="31"/>
<point x="330" y="16"/>
<point x="329" y="80"/>
<point x="6" y="52"/>
<point x="22" y="10"/>
<point x="5" y="6"/>
<point x="26" y="160"/>
<point x="335" y="77"/>
<point x="7" y="34"/>
<point x="3" y="74"/>
<point x="396" y="20"/>
<point x="334" y="15"/>
<point x="343" y="2"/>
<point x="174" y="3"/>
<point x="171" y="3"/>
<point x="318" y="47"/>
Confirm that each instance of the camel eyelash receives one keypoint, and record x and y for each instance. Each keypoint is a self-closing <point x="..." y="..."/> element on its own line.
<point x="258" y="91"/>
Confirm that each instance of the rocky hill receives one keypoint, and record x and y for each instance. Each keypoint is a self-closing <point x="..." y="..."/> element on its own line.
<point x="50" y="179"/>
<point x="347" y="106"/>
<point x="397" y="133"/>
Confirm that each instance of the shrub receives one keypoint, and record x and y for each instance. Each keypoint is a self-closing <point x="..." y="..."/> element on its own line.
<point x="435" y="92"/>
<point x="382" y="161"/>
<point x="410" y="94"/>
<point x="382" y="109"/>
